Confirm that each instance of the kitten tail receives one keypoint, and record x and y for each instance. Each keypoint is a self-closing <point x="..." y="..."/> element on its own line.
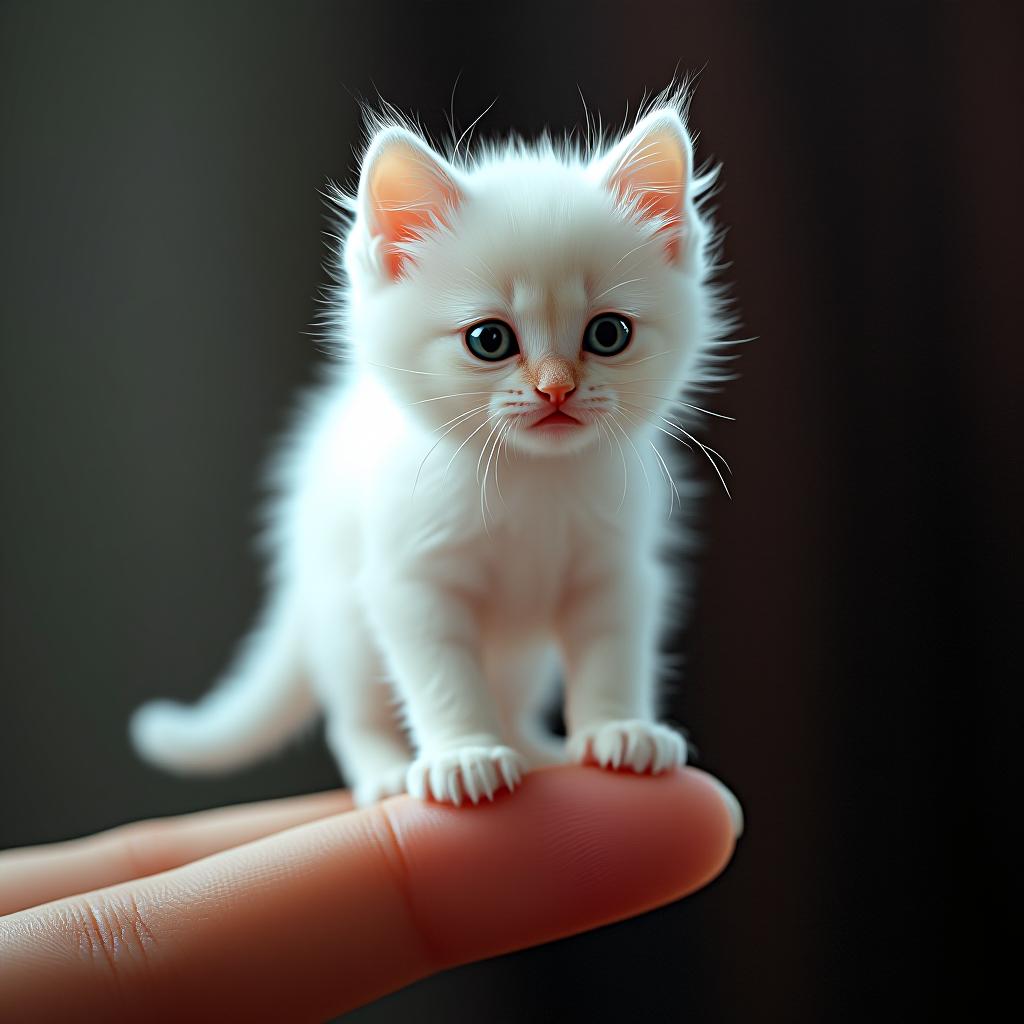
<point x="263" y="701"/>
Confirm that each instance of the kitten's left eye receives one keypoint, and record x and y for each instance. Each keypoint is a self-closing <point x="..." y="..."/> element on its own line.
<point x="607" y="334"/>
<point x="492" y="341"/>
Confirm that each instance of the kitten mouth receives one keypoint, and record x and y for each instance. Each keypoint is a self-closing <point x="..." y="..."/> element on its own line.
<point x="557" y="419"/>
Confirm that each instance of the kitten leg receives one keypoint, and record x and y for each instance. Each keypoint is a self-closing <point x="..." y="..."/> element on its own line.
<point x="609" y="636"/>
<point x="431" y="640"/>
<point x="524" y="679"/>
<point x="367" y="740"/>
<point x="362" y="728"/>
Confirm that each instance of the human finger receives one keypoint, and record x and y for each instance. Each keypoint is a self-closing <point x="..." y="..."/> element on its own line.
<point x="38" y="874"/>
<point x="309" y="923"/>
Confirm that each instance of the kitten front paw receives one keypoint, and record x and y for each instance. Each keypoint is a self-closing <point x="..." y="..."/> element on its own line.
<point x="465" y="773"/>
<point x="629" y="743"/>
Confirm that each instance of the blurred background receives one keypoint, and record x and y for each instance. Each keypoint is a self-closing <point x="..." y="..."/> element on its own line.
<point x="848" y="665"/>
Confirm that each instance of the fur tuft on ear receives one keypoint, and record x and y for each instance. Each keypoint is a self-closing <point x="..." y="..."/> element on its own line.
<point x="649" y="172"/>
<point x="405" y="189"/>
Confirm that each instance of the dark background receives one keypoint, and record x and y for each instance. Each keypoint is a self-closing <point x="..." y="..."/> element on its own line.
<point x="849" y="661"/>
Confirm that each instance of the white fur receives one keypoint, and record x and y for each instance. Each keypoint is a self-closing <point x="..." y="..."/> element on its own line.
<point x="432" y="576"/>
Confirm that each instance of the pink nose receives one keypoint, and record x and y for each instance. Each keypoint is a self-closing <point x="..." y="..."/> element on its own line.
<point x="556" y="393"/>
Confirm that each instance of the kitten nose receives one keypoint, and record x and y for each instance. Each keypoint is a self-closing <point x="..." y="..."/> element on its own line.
<point x="556" y="393"/>
<point x="555" y="379"/>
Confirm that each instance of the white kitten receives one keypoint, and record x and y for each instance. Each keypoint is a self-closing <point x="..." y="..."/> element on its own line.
<point x="464" y="513"/>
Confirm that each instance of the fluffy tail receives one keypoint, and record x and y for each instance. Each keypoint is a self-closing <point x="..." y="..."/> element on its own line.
<point x="263" y="701"/>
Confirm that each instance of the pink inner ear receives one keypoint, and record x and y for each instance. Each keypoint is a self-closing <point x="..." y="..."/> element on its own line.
<point x="653" y="172"/>
<point x="407" y="193"/>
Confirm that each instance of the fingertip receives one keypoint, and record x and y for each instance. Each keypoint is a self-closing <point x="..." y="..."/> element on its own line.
<point x="731" y="802"/>
<point x="574" y="848"/>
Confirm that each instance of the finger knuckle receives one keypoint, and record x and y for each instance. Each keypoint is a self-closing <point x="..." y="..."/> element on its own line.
<point x="392" y="849"/>
<point x="111" y="930"/>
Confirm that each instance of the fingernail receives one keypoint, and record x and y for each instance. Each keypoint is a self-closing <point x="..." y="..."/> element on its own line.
<point x="735" y="809"/>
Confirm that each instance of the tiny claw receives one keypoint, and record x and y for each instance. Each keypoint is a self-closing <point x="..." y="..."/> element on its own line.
<point x="616" y="754"/>
<point x="632" y="748"/>
<point x="469" y="780"/>
<point x="454" y="789"/>
<point x="489" y="780"/>
<point x="510" y="773"/>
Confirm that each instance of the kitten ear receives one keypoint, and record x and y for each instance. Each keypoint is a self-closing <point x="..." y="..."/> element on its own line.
<point x="405" y="188"/>
<point x="650" y="171"/>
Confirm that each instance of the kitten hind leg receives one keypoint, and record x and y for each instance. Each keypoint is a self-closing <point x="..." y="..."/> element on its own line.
<point x="369" y="744"/>
<point x="362" y="729"/>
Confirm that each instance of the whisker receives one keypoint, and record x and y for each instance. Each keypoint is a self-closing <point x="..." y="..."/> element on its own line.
<point x="650" y="241"/>
<point x="625" y="472"/>
<point x="708" y="451"/>
<point x="674" y="401"/>
<point x="673" y="495"/>
<point x="726" y="343"/>
<point x="444" y="475"/>
<point x="441" y="398"/>
<point x="455" y="421"/>
<point x="625" y="434"/>
<point x="469" y="130"/>
<point x="706" y="447"/>
<point x="651" y="423"/>
<point x="502" y="450"/>
<point x="485" y="505"/>
<point x="497" y="426"/>
<point x="637" y="362"/>
<point x="605" y="436"/>
<point x="650" y="380"/>
<point x="405" y="369"/>
<point x="679" y="426"/>
<point x="516" y="425"/>
<point x="621" y="284"/>
<point x="461" y="415"/>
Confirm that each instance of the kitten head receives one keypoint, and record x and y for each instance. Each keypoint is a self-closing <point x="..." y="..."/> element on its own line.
<point x="539" y="296"/>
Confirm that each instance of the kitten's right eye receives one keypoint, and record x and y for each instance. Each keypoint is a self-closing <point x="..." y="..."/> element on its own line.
<point x="492" y="341"/>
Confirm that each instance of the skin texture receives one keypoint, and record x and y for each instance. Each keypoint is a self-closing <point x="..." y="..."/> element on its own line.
<point x="340" y="908"/>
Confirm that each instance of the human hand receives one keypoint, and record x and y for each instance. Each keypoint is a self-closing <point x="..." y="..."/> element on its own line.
<point x="301" y="909"/>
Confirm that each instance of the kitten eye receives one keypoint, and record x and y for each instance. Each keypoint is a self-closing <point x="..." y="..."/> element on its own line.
<point x="492" y="341"/>
<point x="607" y="334"/>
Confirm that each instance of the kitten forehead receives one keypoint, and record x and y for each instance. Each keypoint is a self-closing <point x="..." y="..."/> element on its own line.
<point x="546" y="205"/>
<point x="537" y="233"/>
<point x="531" y="297"/>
